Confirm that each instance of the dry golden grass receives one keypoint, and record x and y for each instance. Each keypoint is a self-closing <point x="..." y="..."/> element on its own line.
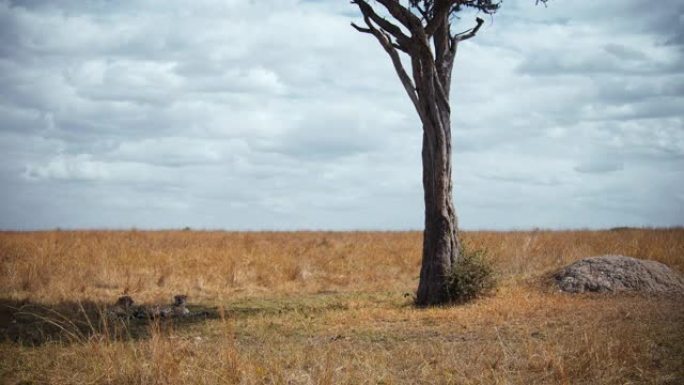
<point x="328" y="308"/>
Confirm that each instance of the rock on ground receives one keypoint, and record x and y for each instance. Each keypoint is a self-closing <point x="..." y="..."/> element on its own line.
<point x="617" y="273"/>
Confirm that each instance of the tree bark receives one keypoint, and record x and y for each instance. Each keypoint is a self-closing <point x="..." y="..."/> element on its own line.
<point x="441" y="246"/>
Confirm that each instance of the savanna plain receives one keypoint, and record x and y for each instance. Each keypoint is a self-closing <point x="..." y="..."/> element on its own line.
<point x="326" y="308"/>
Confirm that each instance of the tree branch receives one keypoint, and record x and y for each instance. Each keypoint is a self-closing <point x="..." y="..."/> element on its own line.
<point x="451" y="54"/>
<point x="361" y="29"/>
<point x="441" y="92"/>
<point x="424" y="12"/>
<point x="465" y="35"/>
<point x="391" y="49"/>
<point x="439" y="16"/>
<point x="368" y="30"/>
<point x="392" y="29"/>
<point x="402" y="15"/>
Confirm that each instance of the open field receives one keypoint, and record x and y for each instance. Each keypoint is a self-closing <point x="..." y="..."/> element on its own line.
<point x="327" y="308"/>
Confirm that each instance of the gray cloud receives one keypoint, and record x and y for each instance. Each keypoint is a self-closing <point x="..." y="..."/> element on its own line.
<point x="599" y="165"/>
<point x="277" y="115"/>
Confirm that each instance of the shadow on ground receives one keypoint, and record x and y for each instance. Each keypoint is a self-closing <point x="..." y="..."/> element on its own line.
<point x="34" y="324"/>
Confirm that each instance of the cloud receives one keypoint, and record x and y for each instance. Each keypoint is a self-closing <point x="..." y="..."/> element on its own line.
<point x="599" y="166"/>
<point x="84" y="168"/>
<point x="178" y="151"/>
<point x="278" y="115"/>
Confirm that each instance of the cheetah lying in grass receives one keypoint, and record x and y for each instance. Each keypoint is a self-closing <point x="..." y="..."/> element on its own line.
<point x="125" y="308"/>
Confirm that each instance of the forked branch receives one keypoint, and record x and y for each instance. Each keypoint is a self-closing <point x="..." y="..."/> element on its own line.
<point x="459" y="37"/>
<point x="385" y="41"/>
<point x="403" y="15"/>
<point x="465" y="35"/>
<point x="394" y="30"/>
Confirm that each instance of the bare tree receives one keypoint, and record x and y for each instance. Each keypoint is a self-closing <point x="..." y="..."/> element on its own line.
<point x="422" y="30"/>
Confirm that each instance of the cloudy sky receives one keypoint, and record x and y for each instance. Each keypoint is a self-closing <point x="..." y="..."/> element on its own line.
<point x="276" y="114"/>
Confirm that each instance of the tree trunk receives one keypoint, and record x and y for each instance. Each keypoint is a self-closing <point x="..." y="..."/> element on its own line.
<point x="432" y="49"/>
<point x="441" y="247"/>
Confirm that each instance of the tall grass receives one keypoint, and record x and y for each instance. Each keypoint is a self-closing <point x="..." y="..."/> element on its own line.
<point x="98" y="265"/>
<point x="325" y="308"/>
